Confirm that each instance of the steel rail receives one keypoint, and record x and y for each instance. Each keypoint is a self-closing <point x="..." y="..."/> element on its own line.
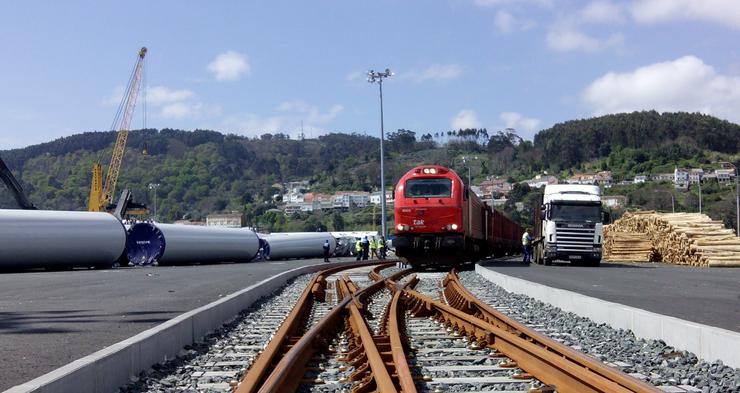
<point x="363" y="352"/>
<point x="289" y="330"/>
<point x="393" y="328"/>
<point x="288" y="373"/>
<point x="460" y="298"/>
<point x="546" y="365"/>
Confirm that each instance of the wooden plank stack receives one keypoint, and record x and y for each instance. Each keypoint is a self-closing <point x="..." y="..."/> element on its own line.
<point x="628" y="246"/>
<point x="683" y="238"/>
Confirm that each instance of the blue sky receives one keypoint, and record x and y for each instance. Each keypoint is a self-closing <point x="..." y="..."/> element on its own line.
<point x="255" y="67"/>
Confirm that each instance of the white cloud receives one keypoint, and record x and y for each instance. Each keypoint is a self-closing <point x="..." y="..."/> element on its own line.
<point x="724" y="12"/>
<point x="506" y="23"/>
<point x="684" y="84"/>
<point x="524" y="125"/>
<point x="466" y="118"/>
<point x="310" y="113"/>
<point x="288" y="118"/>
<point x="189" y="110"/>
<point x="437" y="72"/>
<point x="356" y="76"/>
<point x="495" y="3"/>
<point x="567" y="38"/>
<point x="229" y="66"/>
<point x="159" y="95"/>
<point x="603" y="12"/>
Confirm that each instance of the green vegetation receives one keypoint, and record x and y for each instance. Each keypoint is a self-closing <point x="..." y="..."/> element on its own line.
<point x="202" y="171"/>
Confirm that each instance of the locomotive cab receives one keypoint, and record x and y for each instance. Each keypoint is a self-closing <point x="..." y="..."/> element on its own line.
<point x="440" y="223"/>
<point x="429" y="220"/>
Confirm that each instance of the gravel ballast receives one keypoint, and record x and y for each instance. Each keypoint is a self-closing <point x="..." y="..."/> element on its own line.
<point x="221" y="359"/>
<point x="651" y="360"/>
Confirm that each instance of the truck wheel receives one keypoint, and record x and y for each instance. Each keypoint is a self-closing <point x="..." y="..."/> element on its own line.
<point x="548" y="261"/>
<point x="595" y="263"/>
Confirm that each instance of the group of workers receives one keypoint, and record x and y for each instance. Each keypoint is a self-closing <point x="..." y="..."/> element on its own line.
<point x="370" y="248"/>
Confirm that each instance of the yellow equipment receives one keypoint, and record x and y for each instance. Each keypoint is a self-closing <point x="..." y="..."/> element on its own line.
<point x="102" y="195"/>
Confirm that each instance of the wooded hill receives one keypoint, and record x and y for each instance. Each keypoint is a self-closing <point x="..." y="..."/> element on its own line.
<point x="204" y="171"/>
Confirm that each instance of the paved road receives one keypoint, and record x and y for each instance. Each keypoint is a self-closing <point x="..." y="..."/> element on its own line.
<point x="709" y="296"/>
<point x="48" y="319"/>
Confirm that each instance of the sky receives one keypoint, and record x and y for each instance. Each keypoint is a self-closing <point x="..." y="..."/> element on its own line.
<point x="250" y="67"/>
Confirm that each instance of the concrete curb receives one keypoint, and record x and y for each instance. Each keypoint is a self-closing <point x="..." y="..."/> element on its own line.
<point x="110" y="368"/>
<point x="707" y="342"/>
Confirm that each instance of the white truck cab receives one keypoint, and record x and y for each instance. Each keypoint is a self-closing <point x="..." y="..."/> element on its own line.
<point x="568" y="225"/>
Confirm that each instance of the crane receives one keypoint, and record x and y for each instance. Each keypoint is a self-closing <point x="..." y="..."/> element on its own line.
<point x="15" y="187"/>
<point x="101" y="195"/>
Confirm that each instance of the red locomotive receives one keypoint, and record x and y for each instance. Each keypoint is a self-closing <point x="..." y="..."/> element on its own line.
<point x="439" y="222"/>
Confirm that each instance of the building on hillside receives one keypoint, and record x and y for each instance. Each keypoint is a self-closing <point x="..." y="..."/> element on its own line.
<point x="695" y="175"/>
<point x="495" y="186"/>
<point x="604" y="178"/>
<point x="614" y="201"/>
<point x="582" y="178"/>
<point x="375" y="197"/>
<point x="640" y="179"/>
<point x="540" y="181"/>
<point x="658" y="177"/>
<point x="725" y="177"/>
<point x="681" y="178"/>
<point x="227" y="220"/>
<point x="346" y="199"/>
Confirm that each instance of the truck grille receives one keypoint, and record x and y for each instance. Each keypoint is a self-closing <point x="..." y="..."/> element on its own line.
<point x="575" y="239"/>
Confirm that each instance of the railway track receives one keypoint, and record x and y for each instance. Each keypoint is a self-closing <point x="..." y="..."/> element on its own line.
<point x="382" y="334"/>
<point x="377" y="328"/>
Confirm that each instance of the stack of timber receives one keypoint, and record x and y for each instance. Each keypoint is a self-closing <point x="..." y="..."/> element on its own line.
<point x="627" y="246"/>
<point x="684" y="238"/>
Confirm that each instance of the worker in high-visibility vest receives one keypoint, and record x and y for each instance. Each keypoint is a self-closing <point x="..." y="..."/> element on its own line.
<point x="373" y="249"/>
<point x="527" y="246"/>
<point x="358" y="248"/>
<point x="381" y="248"/>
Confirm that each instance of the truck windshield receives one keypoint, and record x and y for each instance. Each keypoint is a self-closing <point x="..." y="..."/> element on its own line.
<point x="428" y="188"/>
<point x="575" y="213"/>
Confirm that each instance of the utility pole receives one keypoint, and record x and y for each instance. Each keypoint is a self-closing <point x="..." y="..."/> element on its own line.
<point x="372" y="77"/>
<point x="737" y="202"/>
<point x="153" y="187"/>
<point x="699" y="194"/>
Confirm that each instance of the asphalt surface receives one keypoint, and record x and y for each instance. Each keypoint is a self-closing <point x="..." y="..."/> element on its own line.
<point x="48" y="319"/>
<point x="709" y="296"/>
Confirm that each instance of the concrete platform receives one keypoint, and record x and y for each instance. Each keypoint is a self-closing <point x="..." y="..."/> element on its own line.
<point x="48" y="319"/>
<point x="709" y="296"/>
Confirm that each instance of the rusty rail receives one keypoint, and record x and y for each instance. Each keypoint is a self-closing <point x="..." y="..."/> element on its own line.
<point x="460" y="298"/>
<point x="545" y="359"/>
<point x="394" y="328"/>
<point x="289" y="331"/>
<point x="363" y="352"/>
<point x="288" y="373"/>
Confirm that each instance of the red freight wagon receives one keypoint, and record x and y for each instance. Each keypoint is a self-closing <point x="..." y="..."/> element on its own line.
<point x="440" y="222"/>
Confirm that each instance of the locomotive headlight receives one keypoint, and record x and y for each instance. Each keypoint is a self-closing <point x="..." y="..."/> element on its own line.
<point x="454" y="227"/>
<point x="399" y="227"/>
<point x="432" y="170"/>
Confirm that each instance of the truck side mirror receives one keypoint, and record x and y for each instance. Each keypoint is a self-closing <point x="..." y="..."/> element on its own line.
<point x="606" y="218"/>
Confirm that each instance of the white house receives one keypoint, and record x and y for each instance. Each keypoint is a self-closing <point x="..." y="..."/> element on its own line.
<point x="681" y="177"/>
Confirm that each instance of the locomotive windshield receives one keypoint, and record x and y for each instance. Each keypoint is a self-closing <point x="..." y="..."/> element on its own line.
<point x="428" y="188"/>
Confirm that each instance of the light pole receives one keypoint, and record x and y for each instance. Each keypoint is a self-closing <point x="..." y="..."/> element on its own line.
<point x="153" y="187"/>
<point x="467" y="165"/>
<point x="372" y="77"/>
<point x="699" y="194"/>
